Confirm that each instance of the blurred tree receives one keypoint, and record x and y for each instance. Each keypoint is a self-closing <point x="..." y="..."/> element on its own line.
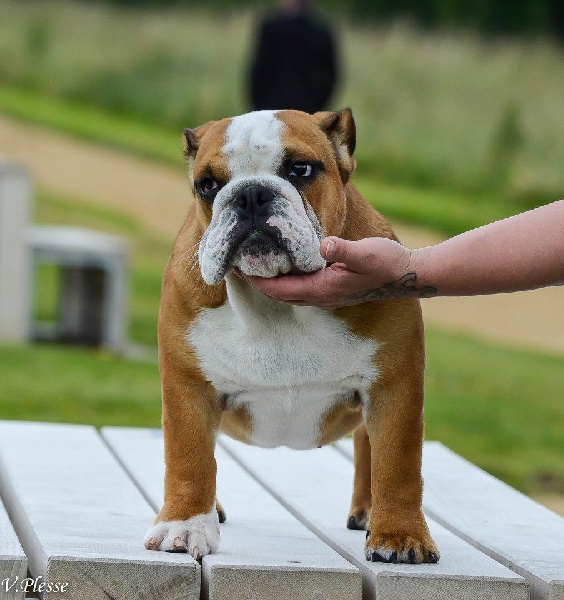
<point x="507" y="142"/>
<point x="491" y="16"/>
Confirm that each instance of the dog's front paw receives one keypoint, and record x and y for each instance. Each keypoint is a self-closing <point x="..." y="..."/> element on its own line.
<point x="198" y="535"/>
<point x="401" y="548"/>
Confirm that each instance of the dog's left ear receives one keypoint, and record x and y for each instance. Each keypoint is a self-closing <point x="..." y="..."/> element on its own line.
<point x="339" y="127"/>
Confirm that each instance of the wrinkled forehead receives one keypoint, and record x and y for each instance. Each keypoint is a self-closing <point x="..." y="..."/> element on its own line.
<point x="258" y="142"/>
<point x="253" y="144"/>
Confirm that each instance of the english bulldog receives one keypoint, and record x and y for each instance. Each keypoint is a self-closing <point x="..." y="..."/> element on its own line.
<point x="268" y="187"/>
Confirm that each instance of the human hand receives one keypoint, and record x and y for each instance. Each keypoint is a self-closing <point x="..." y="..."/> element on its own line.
<point x="368" y="269"/>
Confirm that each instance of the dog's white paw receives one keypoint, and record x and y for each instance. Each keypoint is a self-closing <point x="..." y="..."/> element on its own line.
<point x="198" y="535"/>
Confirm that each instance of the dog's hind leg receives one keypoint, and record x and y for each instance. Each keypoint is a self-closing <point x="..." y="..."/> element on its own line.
<point x="220" y="512"/>
<point x="361" y="502"/>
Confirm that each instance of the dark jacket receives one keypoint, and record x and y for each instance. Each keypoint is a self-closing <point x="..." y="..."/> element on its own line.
<point x="295" y="64"/>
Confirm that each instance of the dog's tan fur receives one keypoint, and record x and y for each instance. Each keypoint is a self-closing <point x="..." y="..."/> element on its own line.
<point x="388" y="442"/>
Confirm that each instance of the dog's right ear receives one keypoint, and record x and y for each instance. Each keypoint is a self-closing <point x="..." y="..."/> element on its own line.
<point x="191" y="139"/>
<point x="190" y="142"/>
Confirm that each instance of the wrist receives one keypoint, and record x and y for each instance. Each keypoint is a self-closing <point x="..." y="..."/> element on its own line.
<point x="418" y="267"/>
<point x="416" y="263"/>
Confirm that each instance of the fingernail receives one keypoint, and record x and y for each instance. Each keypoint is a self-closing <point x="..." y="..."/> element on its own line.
<point x="330" y="249"/>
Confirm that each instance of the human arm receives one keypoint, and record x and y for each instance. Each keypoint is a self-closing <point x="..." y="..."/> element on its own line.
<point x="519" y="253"/>
<point x="523" y="252"/>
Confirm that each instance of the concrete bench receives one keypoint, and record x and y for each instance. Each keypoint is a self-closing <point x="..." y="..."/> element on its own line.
<point x="92" y="267"/>
<point x="80" y="501"/>
<point x="93" y="284"/>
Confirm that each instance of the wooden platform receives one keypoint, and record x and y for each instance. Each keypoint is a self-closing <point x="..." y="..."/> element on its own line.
<point x="80" y="502"/>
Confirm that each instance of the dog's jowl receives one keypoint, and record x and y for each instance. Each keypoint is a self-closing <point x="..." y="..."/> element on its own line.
<point x="268" y="187"/>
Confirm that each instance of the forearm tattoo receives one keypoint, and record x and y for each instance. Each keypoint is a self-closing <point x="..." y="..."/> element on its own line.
<point x="405" y="287"/>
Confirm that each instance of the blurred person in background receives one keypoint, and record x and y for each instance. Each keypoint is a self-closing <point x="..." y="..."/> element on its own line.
<point x="295" y="62"/>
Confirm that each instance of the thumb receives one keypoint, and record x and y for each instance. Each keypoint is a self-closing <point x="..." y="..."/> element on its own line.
<point x="334" y="249"/>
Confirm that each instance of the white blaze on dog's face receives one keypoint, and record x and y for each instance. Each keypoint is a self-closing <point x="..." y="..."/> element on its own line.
<point x="261" y="194"/>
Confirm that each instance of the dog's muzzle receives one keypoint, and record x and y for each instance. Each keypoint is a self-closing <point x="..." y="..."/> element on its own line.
<point x="259" y="247"/>
<point x="263" y="230"/>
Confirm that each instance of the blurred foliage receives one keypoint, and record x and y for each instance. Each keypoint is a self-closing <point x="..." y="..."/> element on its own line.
<point x="491" y="16"/>
<point x="446" y="110"/>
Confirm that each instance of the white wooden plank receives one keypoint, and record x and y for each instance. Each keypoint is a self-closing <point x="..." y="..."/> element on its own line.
<point x="81" y="520"/>
<point x="13" y="562"/>
<point x="316" y="486"/>
<point x="492" y="516"/>
<point x="515" y="530"/>
<point x="264" y="553"/>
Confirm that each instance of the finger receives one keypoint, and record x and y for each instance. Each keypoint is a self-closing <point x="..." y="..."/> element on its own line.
<point x="351" y="254"/>
<point x="327" y="288"/>
<point x="291" y="288"/>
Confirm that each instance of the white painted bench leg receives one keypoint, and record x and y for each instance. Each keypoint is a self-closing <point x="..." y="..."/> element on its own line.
<point x="15" y="208"/>
<point x="13" y="562"/>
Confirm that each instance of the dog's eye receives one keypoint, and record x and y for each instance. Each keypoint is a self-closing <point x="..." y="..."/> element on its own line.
<point x="301" y="170"/>
<point x="207" y="187"/>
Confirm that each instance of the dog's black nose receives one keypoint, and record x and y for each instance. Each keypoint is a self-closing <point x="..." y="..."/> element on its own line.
<point x="253" y="201"/>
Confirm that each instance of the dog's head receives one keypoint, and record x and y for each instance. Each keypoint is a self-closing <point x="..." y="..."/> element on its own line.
<point x="269" y="186"/>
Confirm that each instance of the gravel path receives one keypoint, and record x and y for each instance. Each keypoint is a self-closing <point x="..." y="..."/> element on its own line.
<point x="157" y="197"/>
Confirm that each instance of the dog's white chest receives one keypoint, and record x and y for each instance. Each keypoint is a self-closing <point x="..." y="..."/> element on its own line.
<point x="287" y="365"/>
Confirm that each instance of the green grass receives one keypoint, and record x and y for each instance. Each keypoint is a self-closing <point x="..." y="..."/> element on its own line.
<point x="92" y="123"/>
<point x="47" y="282"/>
<point x="495" y="406"/>
<point x="444" y="210"/>
<point x="498" y="407"/>
<point x="174" y="66"/>
<point x="69" y="385"/>
<point x="458" y="111"/>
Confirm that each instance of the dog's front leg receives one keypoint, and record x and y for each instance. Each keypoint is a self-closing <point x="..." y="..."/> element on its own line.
<point x="398" y="531"/>
<point x="188" y="521"/>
